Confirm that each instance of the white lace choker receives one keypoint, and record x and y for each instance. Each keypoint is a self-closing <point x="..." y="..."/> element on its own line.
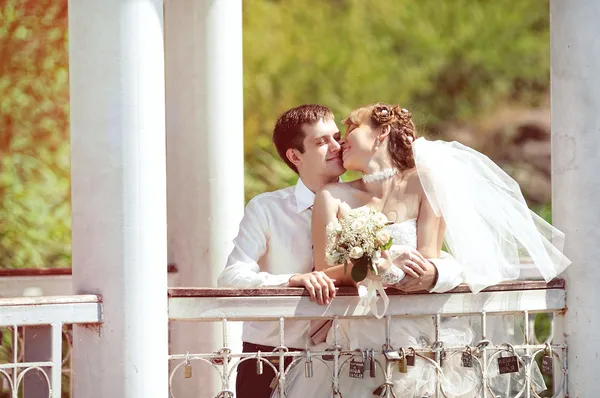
<point x="379" y="175"/>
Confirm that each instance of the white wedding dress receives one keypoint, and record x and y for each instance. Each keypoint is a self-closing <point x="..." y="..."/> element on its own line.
<point x="371" y="334"/>
<point x="489" y="231"/>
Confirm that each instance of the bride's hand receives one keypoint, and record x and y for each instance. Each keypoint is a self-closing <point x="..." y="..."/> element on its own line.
<point x="409" y="260"/>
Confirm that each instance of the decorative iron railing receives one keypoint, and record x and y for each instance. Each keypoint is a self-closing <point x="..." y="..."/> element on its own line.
<point x="36" y="342"/>
<point x="520" y="322"/>
<point x="517" y="340"/>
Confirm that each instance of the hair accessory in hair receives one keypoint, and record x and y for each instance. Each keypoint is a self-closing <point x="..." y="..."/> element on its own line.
<point x="381" y="114"/>
<point x="404" y="115"/>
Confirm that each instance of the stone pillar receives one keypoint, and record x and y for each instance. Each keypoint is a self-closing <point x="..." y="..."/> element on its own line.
<point x="575" y="61"/>
<point x="205" y="163"/>
<point x="118" y="181"/>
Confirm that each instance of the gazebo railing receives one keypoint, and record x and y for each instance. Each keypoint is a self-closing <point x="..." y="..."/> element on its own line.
<point x="27" y="368"/>
<point x="520" y="322"/>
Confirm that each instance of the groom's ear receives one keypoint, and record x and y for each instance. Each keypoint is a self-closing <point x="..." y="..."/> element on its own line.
<point x="293" y="156"/>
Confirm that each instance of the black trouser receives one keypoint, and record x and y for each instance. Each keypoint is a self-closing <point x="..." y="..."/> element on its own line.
<point x="248" y="384"/>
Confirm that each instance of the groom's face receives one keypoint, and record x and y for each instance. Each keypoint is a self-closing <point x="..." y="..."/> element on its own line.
<point x="322" y="152"/>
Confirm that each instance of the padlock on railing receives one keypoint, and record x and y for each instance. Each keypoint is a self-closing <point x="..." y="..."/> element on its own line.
<point x="372" y="364"/>
<point x="225" y="394"/>
<point x="356" y="369"/>
<point x="366" y="360"/>
<point x="187" y="369"/>
<point x="259" y="364"/>
<point x="403" y="363"/>
<point x="399" y="357"/>
<point x="466" y="358"/>
<point x="509" y="364"/>
<point x="548" y="361"/>
<point x="308" y="365"/>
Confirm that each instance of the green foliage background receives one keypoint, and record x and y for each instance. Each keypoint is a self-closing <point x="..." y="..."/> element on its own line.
<point x="35" y="220"/>
<point x="449" y="62"/>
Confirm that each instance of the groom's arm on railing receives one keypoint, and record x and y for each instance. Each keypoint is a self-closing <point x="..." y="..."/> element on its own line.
<point x="242" y="269"/>
<point x="443" y="274"/>
<point x="449" y="271"/>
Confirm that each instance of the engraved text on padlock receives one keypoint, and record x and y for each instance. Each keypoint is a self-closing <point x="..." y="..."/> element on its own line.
<point x="357" y="369"/>
<point x="508" y="364"/>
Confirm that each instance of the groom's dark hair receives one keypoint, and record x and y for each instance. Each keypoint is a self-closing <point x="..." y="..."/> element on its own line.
<point x="288" y="132"/>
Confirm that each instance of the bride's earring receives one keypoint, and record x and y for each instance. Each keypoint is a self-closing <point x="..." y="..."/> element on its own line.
<point x="377" y="142"/>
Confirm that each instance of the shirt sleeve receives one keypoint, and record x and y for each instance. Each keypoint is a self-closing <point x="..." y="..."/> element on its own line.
<point x="242" y="269"/>
<point x="450" y="273"/>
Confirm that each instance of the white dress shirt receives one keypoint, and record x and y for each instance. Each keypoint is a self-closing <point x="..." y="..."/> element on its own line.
<point x="274" y="242"/>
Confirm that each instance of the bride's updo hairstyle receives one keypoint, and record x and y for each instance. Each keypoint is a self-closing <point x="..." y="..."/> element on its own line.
<point x="402" y="130"/>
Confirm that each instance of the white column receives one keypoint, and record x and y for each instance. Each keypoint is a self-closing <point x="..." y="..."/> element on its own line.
<point x="119" y="195"/>
<point x="205" y="162"/>
<point x="575" y="60"/>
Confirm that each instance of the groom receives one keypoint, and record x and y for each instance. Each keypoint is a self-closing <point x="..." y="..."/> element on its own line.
<point x="274" y="246"/>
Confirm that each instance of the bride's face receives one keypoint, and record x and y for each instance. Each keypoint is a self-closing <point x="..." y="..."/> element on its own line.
<point x="358" y="146"/>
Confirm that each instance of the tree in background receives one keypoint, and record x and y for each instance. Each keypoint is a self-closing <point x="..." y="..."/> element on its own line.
<point x="35" y="214"/>
<point x="450" y="63"/>
<point x="454" y="64"/>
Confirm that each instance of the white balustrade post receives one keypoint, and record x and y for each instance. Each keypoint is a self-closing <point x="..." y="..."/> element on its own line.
<point x="116" y="58"/>
<point x="205" y="163"/>
<point x="57" y="360"/>
<point x="575" y="73"/>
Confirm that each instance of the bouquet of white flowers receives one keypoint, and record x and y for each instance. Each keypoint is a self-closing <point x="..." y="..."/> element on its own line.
<point x="358" y="238"/>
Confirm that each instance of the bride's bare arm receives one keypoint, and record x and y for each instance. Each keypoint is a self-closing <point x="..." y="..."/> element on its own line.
<point x="441" y="271"/>
<point x="430" y="230"/>
<point x="325" y="210"/>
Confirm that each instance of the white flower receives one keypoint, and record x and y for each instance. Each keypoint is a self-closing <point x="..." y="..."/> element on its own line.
<point x="376" y="256"/>
<point x="363" y="220"/>
<point x="356" y="252"/>
<point x="383" y="237"/>
<point x="357" y="224"/>
<point x="333" y="258"/>
<point x="334" y="227"/>
<point x="362" y="211"/>
<point x="380" y="220"/>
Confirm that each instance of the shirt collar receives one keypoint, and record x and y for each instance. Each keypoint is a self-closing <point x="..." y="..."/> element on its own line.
<point x="305" y="198"/>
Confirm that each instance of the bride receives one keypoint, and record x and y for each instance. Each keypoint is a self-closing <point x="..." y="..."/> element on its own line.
<point x="431" y="192"/>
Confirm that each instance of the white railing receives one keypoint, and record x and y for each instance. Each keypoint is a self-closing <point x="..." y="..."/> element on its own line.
<point x="28" y="322"/>
<point x="520" y="302"/>
<point x="32" y="321"/>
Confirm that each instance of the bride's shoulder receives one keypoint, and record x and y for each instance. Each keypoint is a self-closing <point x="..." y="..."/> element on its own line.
<point x="337" y="190"/>
<point x="413" y="181"/>
<point x="412" y="176"/>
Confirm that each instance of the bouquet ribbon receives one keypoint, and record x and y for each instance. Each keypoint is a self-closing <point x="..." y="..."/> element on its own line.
<point x="367" y="291"/>
<point x="368" y="288"/>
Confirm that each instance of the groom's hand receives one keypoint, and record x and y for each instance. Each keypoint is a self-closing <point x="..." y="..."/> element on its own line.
<point x="425" y="282"/>
<point x="319" y="286"/>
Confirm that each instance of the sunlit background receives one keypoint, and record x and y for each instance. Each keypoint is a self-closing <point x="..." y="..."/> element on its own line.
<point x="472" y="70"/>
